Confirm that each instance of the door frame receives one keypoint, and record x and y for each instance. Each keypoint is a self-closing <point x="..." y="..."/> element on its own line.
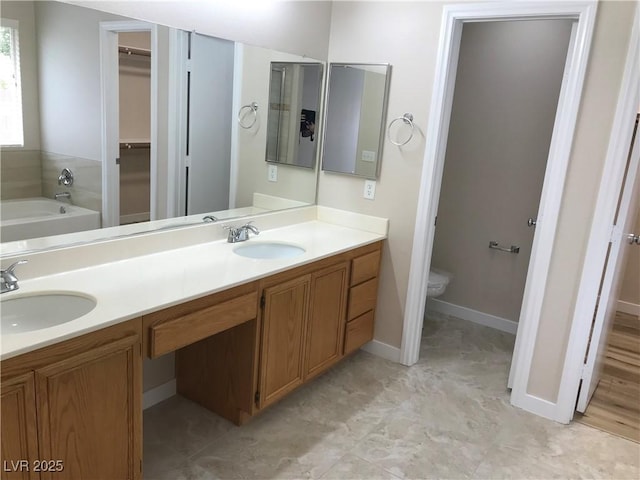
<point x="453" y="19"/>
<point x="109" y="90"/>
<point x="611" y="184"/>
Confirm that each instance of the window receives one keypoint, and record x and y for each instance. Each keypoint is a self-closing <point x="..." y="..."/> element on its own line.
<point x="11" y="132"/>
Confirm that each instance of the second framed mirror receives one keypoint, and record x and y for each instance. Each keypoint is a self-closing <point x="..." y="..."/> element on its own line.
<point x="356" y="115"/>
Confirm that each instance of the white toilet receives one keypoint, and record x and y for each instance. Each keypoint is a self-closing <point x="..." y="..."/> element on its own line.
<point x="438" y="281"/>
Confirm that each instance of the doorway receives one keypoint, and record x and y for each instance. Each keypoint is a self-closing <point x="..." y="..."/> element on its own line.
<point x="504" y="105"/>
<point x="134" y="106"/>
<point x="608" y="396"/>
<point x="454" y="17"/>
<point x="113" y="142"/>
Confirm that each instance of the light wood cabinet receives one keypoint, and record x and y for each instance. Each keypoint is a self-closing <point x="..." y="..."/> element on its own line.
<point x="238" y="351"/>
<point x="87" y="393"/>
<point x="303" y="326"/>
<point x="363" y="296"/>
<point x="19" y="442"/>
<point x="284" y="322"/>
<point x="327" y="305"/>
<point x="215" y="339"/>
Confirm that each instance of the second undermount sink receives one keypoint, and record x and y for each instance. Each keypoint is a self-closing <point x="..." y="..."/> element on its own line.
<point x="34" y="312"/>
<point x="268" y="250"/>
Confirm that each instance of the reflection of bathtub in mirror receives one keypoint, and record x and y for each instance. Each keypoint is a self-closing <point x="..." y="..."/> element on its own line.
<point x="26" y="218"/>
<point x="261" y="204"/>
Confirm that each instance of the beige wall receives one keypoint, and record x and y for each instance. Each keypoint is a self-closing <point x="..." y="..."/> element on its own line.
<point x="294" y="183"/>
<point x="408" y="42"/>
<point x="504" y="108"/>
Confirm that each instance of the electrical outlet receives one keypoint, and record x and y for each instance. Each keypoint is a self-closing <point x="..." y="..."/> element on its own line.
<point x="369" y="189"/>
<point x="272" y="173"/>
<point x="368" y="156"/>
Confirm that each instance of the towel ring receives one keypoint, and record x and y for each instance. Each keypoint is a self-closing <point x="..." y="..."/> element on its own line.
<point x="407" y="118"/>
<point x="253" y="106"/>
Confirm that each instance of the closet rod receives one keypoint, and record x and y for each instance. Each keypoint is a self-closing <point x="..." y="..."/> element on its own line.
<point x="131" y="146"/>
<point x="134" y="51"/>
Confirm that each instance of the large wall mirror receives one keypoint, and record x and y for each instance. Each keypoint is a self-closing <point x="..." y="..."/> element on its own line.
<point x="177" y="154"/>
<point x="294" y="110"/>
<point x="355" y="120"/>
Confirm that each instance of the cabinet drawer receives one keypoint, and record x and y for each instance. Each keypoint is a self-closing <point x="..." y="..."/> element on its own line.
<point x="362" y="298"/>
<point x="365" y="267"/>
<point x="186" y="329"/>
<point x="359" y="331"/>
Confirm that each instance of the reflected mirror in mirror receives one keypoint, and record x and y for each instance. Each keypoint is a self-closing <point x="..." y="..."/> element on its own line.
<point x="355" y="120"/>
<point x="178" y="160"/>
<point x="294" y="108"/>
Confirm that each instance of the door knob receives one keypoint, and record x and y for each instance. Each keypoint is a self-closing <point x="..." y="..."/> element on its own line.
<point x="633" y="238"/>
<point x="531" y="222"/>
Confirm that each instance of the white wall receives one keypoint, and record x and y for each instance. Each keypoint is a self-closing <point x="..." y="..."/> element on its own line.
<point x="300" y="27"/>
<point x="504" y="106"/>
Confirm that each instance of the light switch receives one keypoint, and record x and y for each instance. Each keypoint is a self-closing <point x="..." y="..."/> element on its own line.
<point x="368" y="156"/>
<point x="272" y="173"/>
<point x="369" y="189"/>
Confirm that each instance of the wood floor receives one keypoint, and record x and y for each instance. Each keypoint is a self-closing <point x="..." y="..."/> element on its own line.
<point x="615" y="406"/>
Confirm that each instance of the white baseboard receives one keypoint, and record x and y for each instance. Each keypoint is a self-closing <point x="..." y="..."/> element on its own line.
<point x="158" y="394"/>
<point x="474" y="316"/>
<point x="628" y="307"/>
<point x="383" y="350"/>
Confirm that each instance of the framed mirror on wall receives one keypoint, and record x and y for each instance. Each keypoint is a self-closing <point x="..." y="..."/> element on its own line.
<point x="356" y="104"/>
<point x="294" y="112"/>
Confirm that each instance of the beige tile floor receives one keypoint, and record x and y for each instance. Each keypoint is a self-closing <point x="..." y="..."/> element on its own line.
<point x="446" y="417"/>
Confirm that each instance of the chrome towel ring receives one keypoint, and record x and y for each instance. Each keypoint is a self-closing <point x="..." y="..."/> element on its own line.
<point x="253" y="107"/>
<point x="407" y="119"/>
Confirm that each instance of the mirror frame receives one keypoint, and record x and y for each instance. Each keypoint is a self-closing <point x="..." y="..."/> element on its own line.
<point x="319" y="115"/>
<point x="383" y="119"/>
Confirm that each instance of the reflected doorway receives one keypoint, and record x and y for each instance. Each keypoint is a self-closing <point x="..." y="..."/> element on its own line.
<point x="134" y="102"/>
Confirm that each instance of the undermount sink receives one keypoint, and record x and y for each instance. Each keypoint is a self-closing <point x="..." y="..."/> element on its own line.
<point x="268" y="250"/>
<point x="34" y="312"/>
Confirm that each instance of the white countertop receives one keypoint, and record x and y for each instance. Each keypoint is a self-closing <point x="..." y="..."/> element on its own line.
<point x="128" y="288"/>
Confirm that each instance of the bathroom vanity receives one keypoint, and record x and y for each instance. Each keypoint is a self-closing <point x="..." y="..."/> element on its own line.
<point x="257" y="330"/>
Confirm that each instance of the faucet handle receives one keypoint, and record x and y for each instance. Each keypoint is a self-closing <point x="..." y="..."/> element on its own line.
<point x="13" y="266"/>
<point x="250" y="226"/>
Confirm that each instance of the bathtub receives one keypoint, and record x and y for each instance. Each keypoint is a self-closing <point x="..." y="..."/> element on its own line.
<point x="25" y="218"/>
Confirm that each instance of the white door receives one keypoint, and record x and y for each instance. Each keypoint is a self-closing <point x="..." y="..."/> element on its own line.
<point x="621" y="240"/>
<point x="209" y="123"/>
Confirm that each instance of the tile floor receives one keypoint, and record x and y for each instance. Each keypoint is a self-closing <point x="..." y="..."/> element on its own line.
<point x="446" y="417"/>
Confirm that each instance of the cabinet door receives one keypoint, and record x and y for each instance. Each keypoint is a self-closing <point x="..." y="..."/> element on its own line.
<point x="284" y="324"/>
<point x="327" y="317"/>
<point x="19" y="447"/>
<point x="89" y="412"/>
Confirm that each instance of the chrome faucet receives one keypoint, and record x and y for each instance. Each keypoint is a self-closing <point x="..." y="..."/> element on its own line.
<point x="66" y="177"/>
<point x="60" y="195"/>
<point x="9" y="281"/>
<point x="241" y="234"/>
